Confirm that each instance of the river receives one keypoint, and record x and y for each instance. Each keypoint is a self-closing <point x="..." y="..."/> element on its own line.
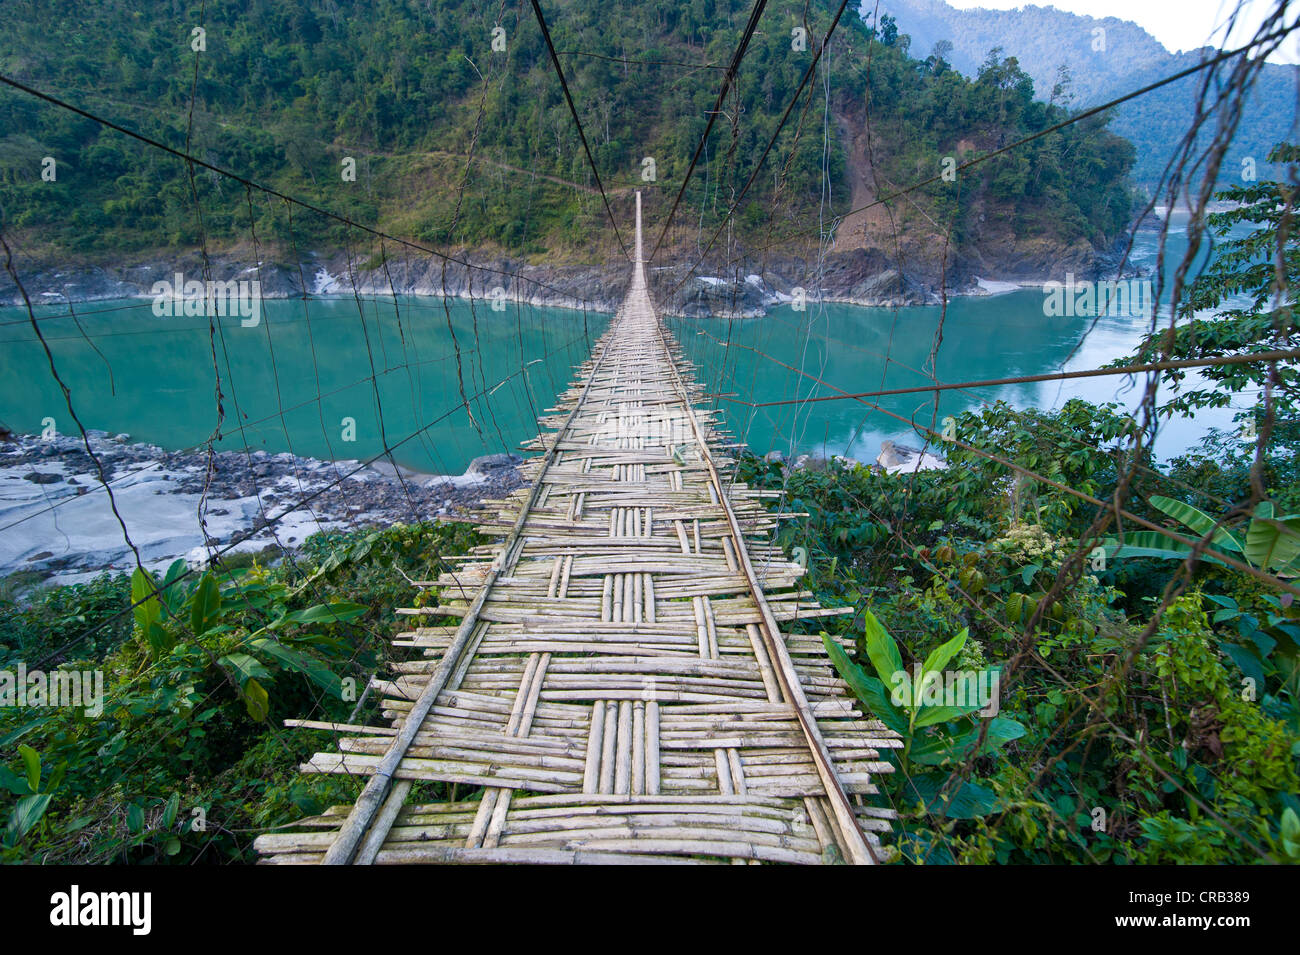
<point x="153" y="378"/>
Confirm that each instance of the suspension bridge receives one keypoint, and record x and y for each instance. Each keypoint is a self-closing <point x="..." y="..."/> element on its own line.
<point x="619" y="688"/>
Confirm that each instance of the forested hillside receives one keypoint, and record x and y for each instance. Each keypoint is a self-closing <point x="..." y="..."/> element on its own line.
<point x="1045" y="39"/>
<point x="285" y="91"/>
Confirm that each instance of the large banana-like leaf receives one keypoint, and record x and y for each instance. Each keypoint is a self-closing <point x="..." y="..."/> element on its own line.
<point x="1273" y="544"/>
<point x="1151" y="544"/>
<point x="1198" y="521"/>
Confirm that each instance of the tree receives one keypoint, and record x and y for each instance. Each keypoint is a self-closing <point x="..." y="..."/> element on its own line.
<point x="1004" y="77"/>
<point x="938" y="61"/>
<point x="1263" y="267"/>
<point x="888" y="30"/>
<point x="1063" y="89"/>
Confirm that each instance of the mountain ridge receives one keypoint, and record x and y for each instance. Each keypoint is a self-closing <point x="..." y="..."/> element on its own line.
<point x="1042" y="38"/>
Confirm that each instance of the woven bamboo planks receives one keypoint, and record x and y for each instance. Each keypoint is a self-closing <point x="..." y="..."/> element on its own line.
<point x="618" y="688"/>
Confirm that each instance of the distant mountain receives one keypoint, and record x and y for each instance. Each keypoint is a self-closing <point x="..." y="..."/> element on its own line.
<point x="1044" y="39"/>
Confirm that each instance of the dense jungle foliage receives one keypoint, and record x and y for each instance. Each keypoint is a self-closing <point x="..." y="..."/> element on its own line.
<point x="1122" y="735"/>
<point x="285" y="92"/>
<point x="1138" y="722"/>
<point x="1188" y="756"/>
<point x="189" y="759"/>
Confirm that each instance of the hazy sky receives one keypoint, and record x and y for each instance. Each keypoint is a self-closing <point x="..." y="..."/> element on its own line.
<point x="1178" y="24"/>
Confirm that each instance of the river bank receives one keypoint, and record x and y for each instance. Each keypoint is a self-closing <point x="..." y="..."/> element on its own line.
<point x="56" y="521"/>
<point x="57" y="524"/>
<point x="746" y="288"/>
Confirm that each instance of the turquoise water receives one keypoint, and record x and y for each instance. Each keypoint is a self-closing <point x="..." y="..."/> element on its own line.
<point x="874" y="349"/>
<point x="153" y="377"/>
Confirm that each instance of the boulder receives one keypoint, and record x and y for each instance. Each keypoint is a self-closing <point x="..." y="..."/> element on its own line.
<point x="900" y="459"/>
<point x="487" y="463"/>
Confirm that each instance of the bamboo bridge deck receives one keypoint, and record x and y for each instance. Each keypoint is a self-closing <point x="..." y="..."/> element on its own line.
<point x="618" y="689"/>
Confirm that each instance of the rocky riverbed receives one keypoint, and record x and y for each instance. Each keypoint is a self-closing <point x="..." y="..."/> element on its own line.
<point x="56" y="519"/>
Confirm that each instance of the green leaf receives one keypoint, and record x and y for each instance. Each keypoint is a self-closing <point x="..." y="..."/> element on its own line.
<point x="942" y="714"/>
<point x="160" y="640"/>
<point x="172" y="846"/>
<point x="1248" y="661"/>
<point x="149" y="612"/>
<point x="32" y="763"/>
<point x="205" y="605"/>
<point x="1290" y="824"/>
<point x="301" y="663"/>
<point x="939" y="747"/>
<point x="246" y="666"/>
<point x="939" y="657"/>
<point x="881" y="649"/>
<point x="1198" y="521"/>
<point x="1272" y="544"/>
<point x="256" y="700"/>
<point x="870" y="691"/>
<point x="169" y="811"/>
<point x="1152" y="544"/>
<point x="20" y="732"/>
<point x="144" y="594"/>
<point x="13" y="782"/>
<point x="26" y="814"/>
<point x="171" y="594"/>
<point x="134" y="818"/>
<point x="326" y="613"/>
<point x="961" y="800"/>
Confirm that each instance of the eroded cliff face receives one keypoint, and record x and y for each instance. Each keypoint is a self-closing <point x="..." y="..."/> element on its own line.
<point x="991" y="240"/>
